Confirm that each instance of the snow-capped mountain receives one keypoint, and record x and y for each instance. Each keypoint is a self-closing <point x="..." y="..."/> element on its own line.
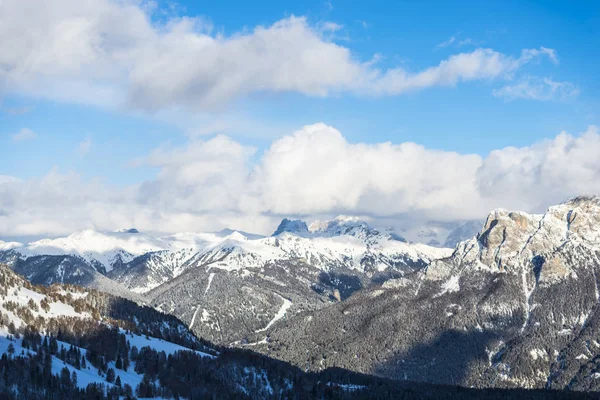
<point x="441" y="234"/>
<point x="237" y="285"/>
<point x="104" y="250"/>
<point x="515" y="306"/>
<point x="142" y="262"/>
<point x="339" y="226"/>
<point x="357" y="248"/>
<point x="308" y="267"/>
<point x="294" y="226"/>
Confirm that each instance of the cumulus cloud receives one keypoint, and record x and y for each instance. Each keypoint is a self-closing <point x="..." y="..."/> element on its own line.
<point x="547" y="172"/>
<point x="216" y="183"/>
<point x="24" y="134"/>
<point x="115" y="54"/>
<point x="535" y="88"/>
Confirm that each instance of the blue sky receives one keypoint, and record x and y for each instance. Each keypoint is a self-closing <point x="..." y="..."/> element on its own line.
<point x="74" y="129"/>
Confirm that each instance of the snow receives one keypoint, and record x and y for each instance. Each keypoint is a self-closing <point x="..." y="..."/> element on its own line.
<point x="280" y="314"/>
<point x="538" y="354"/>
<point x="349" y="387"/>
<point x="159" y="344"/>
<point x="262" y="341"/>
<point x="210" y="279"/>
<point x="528" y="292"/>
<point x="22" y="297"/>
<point x="103" y="247"/>
<point x="450" y="286"/>
<point x="194" y="317"/>
<point x="84" y="376"/>
<point x="342" y="242"/>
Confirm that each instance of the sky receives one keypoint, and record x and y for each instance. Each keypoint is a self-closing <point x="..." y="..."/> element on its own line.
<point x="196" y="116"/>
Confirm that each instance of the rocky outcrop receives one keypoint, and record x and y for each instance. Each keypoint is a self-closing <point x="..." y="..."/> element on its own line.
<point x="515" y="306"/>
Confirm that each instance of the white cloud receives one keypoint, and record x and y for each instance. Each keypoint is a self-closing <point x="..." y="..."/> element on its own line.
<point x="329" y="26"/>
<point x="544" y="173"/>
<point x="24" y="134"/>
<point x="538" y="89"/>
<point x="208" y="185"/>
<point x="465" y="42"/>
<point x="84" y="147"/>
<point x="479" y="64"/>
<point x="114" y="54"/>
<point x="446" y="43"/>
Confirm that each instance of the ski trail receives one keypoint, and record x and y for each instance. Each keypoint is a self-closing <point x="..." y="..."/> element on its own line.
<point x="280" y="314"/>
<point x="210" y="279"/>
<point x="194" y="317"/>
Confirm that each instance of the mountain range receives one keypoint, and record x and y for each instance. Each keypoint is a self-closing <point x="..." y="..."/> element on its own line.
<point x="514" y="306"/>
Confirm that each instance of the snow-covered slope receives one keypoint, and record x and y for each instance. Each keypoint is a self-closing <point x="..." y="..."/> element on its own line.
<point x="344" y="243"/>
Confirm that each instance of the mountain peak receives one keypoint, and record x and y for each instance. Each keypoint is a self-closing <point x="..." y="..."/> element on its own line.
<point x="293" y="226"/>
<point x="127" y="230"/>
<point x="583" y="200"/>
<point x="340" y="225"/>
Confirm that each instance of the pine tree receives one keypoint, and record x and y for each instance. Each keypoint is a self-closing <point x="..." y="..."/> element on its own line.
<point x="119" y="363"/>
<point x="110" y="375"/>
<point x="11" y="349"/>
<point x="134" y="353"/>
<point x="118" y="381"/>
<point x="74" y="378"/>
<point x="65" y="377"/>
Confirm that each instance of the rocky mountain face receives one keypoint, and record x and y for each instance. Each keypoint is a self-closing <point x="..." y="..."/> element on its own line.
<point x="516" y="306"/>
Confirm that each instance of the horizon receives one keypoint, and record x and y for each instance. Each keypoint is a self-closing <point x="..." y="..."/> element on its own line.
<point x="309" y="223"/>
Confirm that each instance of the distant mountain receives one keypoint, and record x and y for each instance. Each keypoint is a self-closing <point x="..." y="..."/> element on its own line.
<point x="441" y="234"/>
<point x="292" y="226"/>
<point x="515" y="306"/>
<point x="339" y="226"/>
<point x="103" y="250"/>
<point x="237" y="286"/>
<point x="253" y="277"/>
